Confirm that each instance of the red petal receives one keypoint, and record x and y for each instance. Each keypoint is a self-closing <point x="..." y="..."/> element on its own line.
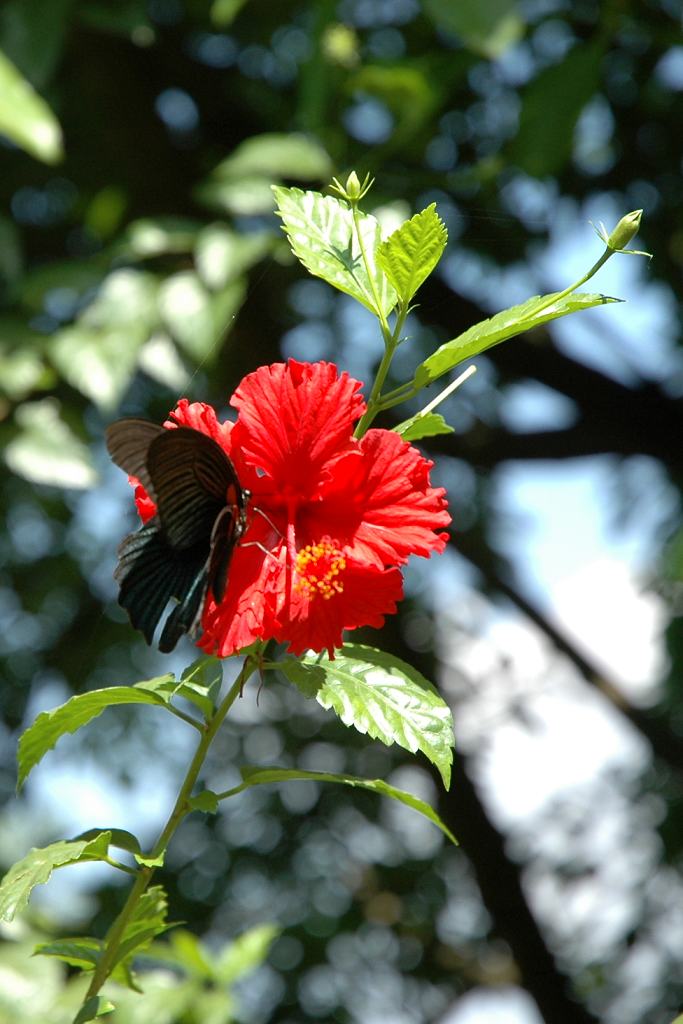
<point x="384" y="507"/>
<point x="317" y="624"/>
<point x="201" y="417"/>
<point x="294" y="419"/>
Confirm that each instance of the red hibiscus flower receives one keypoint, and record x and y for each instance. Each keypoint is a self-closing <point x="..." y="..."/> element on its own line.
<point x="330" y="517"/>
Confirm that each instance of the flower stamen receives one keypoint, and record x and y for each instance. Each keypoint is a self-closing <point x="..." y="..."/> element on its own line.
<point x="318" y="569"/>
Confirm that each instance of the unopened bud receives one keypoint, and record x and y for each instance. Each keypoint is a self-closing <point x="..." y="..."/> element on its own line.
<point x="353" y="189"/>
<point x="625" y="230"/>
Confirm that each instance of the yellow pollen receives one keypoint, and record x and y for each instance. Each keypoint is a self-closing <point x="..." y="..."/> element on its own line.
<point x="318" y="567"/>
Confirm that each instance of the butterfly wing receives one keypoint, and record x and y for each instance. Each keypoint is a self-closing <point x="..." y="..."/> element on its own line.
<point x="128" y="443"/>
<point x="150" y="572"/>
<point x="191" y="475"/>
<point x="188" y="545"/>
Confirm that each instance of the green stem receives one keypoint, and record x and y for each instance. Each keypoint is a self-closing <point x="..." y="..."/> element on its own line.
<point x="376" y="401"/>
<point x="181" y="808"/>
<point x="556" y="296"/>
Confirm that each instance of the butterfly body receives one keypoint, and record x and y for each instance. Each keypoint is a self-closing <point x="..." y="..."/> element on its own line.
<point x="184" y="551"/>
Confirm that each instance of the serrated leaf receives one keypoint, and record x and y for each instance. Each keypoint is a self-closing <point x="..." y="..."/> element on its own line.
<point x="263" y="776"/>
<point x="388" y="699"/>
<point x="429" y="425"/>
<point x="307" y="678"/>
<point x="49" y="726"/>
<point x="37" y="866"/>
<point x="409" y="255"/>
<point x="206" y="801"/>
<point x="46" y="451"/>
<point x="321" y="233"/>
<point x="96" y="1006"/>
<point x="245" y="954"/>
<point x="77" y="952"/>
<point x="504" y="325"/>
<point x="25" y="117"/>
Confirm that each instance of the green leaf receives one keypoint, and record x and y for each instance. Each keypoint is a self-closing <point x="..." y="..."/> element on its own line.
<point x="49" y="726"/>
<point x="22" y="363"/>
<point x="25" y="117"/>
<point x="428" y="425"/>
<point x="487" y="27"/>
<point x="276" y="155"/>
<point x="77" y="952"/>
<point x="196" y="318"/>
<point x="245" y="954"/>
<point x="388" y="699"/>
<point x="543" y="142"/>
<point x="120" y="838"/>
<point x="37" y="866"/>
<point x="506" y="324"/>
<point x="263" y="776"/>
<point x="224" y="11"/>
<point x="159" y="359"/>
<point x="206" y="801"/>
<point x="148" y="921"/>
<point x="96" y="1006"/>
<point x="45" y="450"/>
<point x="221" y="255"/>
<point x="410" y="254"/>
<point x="32" y="36"/>
<point x="98" y="354"/>
<point x="307" y="678"/>
<point x="159" y="236"/>
<point x="321" y="233"/>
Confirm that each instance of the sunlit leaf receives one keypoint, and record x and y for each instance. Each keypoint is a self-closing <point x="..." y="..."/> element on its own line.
<point x="46" y="451"/>
<point x="77" y="952"/>
<point x="120" y="838"/>
<point x="273" y="156"/>
<point x="321" y="233"/>
<point x="264" y="776"/>
<point x="504" y="325"/>
<point x="25" y="117"/>
<point x="146" y="922"/>
<point x="159" y="359"/>
<point x="37" y="867"/>
<point x="49" y="726"/>
<point x="388" y="699"/>
<point x="245" y="954"/>
<point x="99" y="352"/>
<point x="487" y="27"/>
<point x="410" y="254"/>
<point x="430" y="425"/>
<point x="159" y="236"/>
<point x="22" y="361"/>
<point x="221" y="254"/>
<point x="196" y="318"/>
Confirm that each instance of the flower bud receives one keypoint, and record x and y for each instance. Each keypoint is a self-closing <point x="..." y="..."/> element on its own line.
<point x="353" y="187"/>
<point x="625" y="230"/>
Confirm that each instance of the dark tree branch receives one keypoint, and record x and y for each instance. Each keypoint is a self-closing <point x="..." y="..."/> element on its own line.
<point x="499" y="880"/>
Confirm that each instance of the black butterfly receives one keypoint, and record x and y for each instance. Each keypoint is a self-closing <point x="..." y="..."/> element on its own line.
<point x="185" y="550"/>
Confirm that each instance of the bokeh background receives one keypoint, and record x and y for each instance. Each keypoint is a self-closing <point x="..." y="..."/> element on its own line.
<point x="139" y="261"/>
